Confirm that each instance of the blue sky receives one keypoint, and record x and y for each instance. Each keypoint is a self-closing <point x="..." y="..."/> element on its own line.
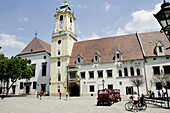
<point x="20" y="19"/>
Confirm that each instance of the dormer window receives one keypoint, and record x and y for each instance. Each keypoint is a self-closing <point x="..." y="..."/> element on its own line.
<point x="118" y="56"/>
<point x="159" y="49"/>
<point x="96" y="58"/>
<point x="79" y="59"/>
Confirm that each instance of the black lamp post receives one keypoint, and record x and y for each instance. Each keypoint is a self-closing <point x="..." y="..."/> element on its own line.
<point x="163" y="17"/>
<point x="103" y="83"/>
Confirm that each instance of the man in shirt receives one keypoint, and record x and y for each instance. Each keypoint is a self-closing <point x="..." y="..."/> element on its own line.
<point x="136" y="100"/>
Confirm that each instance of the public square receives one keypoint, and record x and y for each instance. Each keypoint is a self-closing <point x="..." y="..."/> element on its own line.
<point x="52" y="104"/>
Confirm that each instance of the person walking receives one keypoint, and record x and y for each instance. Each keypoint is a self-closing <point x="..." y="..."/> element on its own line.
<point x="136" y="100"/>
<point x="60" y="94"/>
<point x="40" y="95"/>
<point x="163" y="94"/>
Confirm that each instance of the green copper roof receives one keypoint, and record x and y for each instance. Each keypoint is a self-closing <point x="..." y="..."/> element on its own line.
<point x="65" y="7"/>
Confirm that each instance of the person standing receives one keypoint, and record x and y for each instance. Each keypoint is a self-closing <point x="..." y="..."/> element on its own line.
<point x="40" y="94"/>
<point x="159" y="93"/>
<point x="163" y="94"/>
<point x="136" y="100"/>
<point x="37" y="94"/>
<point x="60" y="94"/>
<point x="66" y="95"/>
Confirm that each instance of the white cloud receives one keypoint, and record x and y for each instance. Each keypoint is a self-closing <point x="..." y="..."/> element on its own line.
<point x="107" y="30"/>
<point x="143" y="21"/>
<point x="92" y="37"/>
<point x="82" y="6"/>
<point x="23" y="19"/>
<point x="7" y="40"/>
<point x="107" y="6"/>
<point x="21" y="29"/>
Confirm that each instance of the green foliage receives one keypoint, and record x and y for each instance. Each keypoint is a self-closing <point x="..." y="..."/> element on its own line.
<point x="14" y="69"/>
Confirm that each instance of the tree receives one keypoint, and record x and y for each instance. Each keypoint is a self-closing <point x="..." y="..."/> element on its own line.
<point x="14" y="69"/>
<point x="164" y="80"/>
<point x="137" y="82"/>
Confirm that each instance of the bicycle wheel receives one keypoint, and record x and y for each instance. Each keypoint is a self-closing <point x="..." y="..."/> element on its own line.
<point x="129" y="106"/>
<point x="142" y="107"/>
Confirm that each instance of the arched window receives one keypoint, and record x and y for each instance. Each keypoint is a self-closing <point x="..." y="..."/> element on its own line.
<point x="70" y="20"/>
<point x="21" y="85"/>
<point x="126" y="71"/>
<point x="138" y="72"/>
<point x="59" y="77"/>
<point x="58" y="63"/>
<point x="120" y="73"/>
<point x="132" y="71"/>
<point x="58" y="52"/>
<point x="61" y="18"/>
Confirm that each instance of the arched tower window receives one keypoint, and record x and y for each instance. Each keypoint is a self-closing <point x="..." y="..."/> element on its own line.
<point x="59" y="52"/>
<point x="120" y="73"/>
<point x="59" y="77"/>
<point x="70" y="20"/>
<point x="58" y="63"/>
<point x="61" y="18"/>
<point x="132" y="71"/>
<point x="126" y="71"/>
<point x="138" y="72"/>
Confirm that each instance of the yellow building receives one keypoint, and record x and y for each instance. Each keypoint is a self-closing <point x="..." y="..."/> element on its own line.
<point x="63" y="39"/>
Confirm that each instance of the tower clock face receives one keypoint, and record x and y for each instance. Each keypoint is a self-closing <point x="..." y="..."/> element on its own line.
<point x="61" y="23"/>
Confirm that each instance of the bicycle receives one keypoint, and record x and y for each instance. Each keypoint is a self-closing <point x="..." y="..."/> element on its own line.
<point x="141" y="106"/>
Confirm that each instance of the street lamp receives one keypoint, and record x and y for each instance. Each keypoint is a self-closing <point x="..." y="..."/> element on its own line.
<point x="103" y="83"/>
<point x="163" y="17"/>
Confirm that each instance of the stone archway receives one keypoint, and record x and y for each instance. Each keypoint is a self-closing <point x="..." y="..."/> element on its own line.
<point x="74" y="89"/>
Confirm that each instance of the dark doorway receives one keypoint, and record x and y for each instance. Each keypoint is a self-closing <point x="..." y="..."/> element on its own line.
<point x="13" y="89"/>
<point x="43" y="87"/>
<point x="27" y="89"/>
<point x="74" y="91"/>
<point x="129" y="90"/>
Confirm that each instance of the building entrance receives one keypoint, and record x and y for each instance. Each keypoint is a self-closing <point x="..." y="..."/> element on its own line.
<point x="74" y="90"/>
<point x="13" y="89"/>
<point x="27" y="89"/>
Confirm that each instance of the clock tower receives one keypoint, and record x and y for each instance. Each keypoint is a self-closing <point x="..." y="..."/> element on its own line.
<point x="63" y="39"/>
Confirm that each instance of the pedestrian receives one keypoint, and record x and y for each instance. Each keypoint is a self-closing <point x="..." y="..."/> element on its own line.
<point x="159" y="93"/>
<point x="37" y="94"/>
<point x="40" y="95"/>
<point x="163" y="94"/>
<point x="142" y="99"/>
<point x="153" y="94"/>
<point x="136" y="100"/>
<point x="66" y="94"/>
<point x="60" y="94"/>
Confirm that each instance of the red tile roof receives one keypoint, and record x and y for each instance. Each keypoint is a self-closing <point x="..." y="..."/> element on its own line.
<point x="36" y="45"/>
<point x="149" y="41"/>
<point x="128" y="45"/>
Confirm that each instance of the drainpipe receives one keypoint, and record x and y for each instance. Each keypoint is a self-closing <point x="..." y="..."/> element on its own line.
<point x="144" y="60"/>
<point x="67" y="78"/>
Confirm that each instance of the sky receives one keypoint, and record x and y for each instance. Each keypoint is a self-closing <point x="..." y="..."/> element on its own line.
<point x="20" y="19"/>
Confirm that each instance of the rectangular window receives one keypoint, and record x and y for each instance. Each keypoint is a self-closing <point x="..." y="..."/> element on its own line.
<point x="82" y="75"/>
<point x="21" y="85"/>
<point x="166" y="69"/>
<point x="156" y="70"/>
<point x="100" y="74"/>
<point x="91" y="74"/>
<point x="34" y="65"/>
<point x="72" y="75"/>
<point x="44" y="68"/>
<point x="110" y="86"/>
<point x="43" y="87"/>
<point x="92" y="88"/>
<point x="160" y="49"/>
<point x="34" y="85"/>
<point x="109" y="73"/>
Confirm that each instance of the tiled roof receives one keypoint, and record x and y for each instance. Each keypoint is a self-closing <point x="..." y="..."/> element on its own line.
<point x="128" y="45"/>
<point x="36" y="45"/>
<point x="149" y="41"/>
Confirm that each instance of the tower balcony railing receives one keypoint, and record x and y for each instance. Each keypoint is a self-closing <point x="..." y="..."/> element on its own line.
<point x="63" y="33"/>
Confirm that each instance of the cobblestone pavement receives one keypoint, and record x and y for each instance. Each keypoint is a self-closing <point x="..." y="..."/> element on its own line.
<point x="52" y="104"/>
